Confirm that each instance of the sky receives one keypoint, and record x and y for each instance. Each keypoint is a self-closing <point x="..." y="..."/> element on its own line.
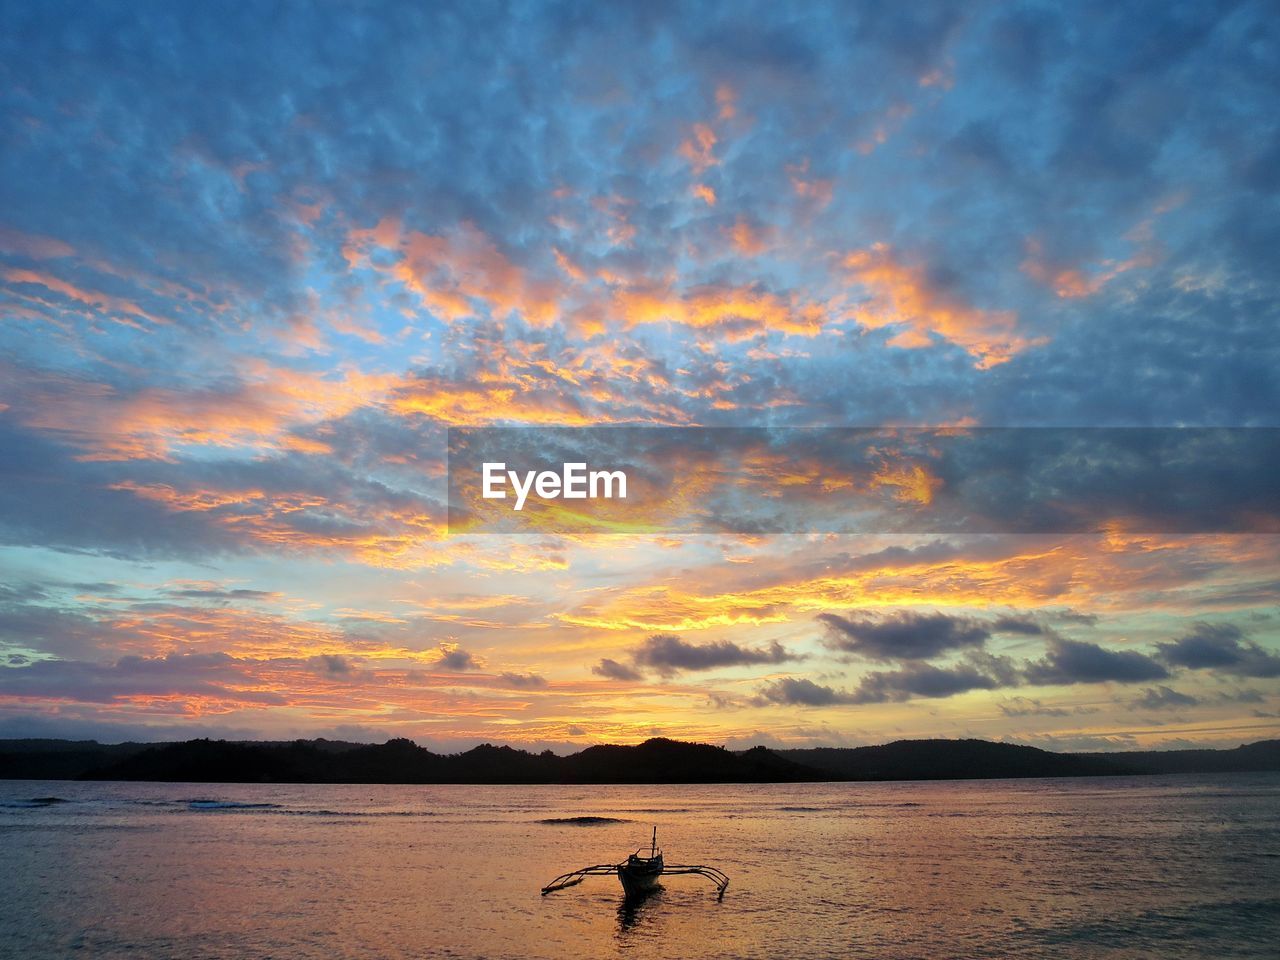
<point x="257" y="259"/>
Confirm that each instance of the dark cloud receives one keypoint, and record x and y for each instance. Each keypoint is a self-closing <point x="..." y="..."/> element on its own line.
<point x="1073" y="661"/>
<point x="905" y="635"/>
<point x="66" y="631"/>
<point x="216" y="676"/>
<point x="1025" y="626"/>
<point x="49" y="498"/>
<point x="614" y="670"/>
<point x="454" y="658"/>
<point x="922" y="680"/>
<point x="1221" y="647"/>
<point x="333" y="665"/>
<point x="668" y="655"/>
<point x="1242" y="696"/>
<point x="219" y="594"/>
<point x="1030" y="707"/>
<point x="915" y="679"/>
<point x="523" y="681"/>
<point x="798" y="691"/>
<point x="1162" y="698"/>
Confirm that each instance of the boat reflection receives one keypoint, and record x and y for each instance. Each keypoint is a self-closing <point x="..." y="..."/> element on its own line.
<point x="637" y="907"/>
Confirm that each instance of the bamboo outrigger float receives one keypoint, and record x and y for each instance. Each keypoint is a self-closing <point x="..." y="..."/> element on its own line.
<point x="639" y="874"/>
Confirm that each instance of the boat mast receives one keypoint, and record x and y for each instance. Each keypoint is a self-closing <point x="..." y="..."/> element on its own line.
<point x="653" y="848"/>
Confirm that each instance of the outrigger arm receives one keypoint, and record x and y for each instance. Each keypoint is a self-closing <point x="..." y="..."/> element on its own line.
<point x="611" y="869"/>
<point x="577" y="876"/>
<point x="716" y="876"/>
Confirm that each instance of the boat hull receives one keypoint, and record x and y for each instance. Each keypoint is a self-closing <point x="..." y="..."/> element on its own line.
<point x="640" y="875"/>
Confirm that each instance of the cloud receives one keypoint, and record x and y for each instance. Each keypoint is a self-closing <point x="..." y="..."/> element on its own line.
<point x="1220" y="647"/>
<point x="194" y="677"/>
<point x="334" y="665"/>
<point x="668" y="655"/>
<point x="905" y="635"/>
<point x="922" y="680"/>
<point x="1020" y="625"/>
<point x="903" y="296"/>
<point x="523" y="681"/>
<point x="1030" y="707"/>
<point x="453" y="657"/>
<point x="614" y="670"/>
<point x="913" y="680"/>
<point x="798" y="691"/>
<point x="1162" y="698"/>
<point x="204" y="321"/>
<point x="1074" y="661"/>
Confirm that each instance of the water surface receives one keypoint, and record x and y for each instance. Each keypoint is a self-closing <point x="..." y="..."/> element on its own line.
<point x="1170" y="867"/>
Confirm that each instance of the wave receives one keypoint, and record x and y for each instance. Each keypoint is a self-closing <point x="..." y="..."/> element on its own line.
<point x="230" y="805"/>
<point x="360" y="813"/>
<point x="581" y="821"/>
<point x="34" y="803"/>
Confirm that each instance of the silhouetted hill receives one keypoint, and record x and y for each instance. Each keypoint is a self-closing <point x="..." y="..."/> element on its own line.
<point x="397" y="761"/>
<point x="59" y="759"/>
<point x="1251" y="758"/>
<point x="982" y="759"/>
<point x="654" y="761"/>
<point x="948" y="760"/>
<point x="672" y="761"/>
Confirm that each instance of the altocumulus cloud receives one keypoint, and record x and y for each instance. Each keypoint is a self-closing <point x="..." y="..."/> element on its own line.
<point x="1163" y="698"/>
<point x="913" y="680"/>
<point x="908" y="635"/>
<point x="1074" y="661"/>
<point x="523" y="681"/>
<point x="1220" y="647"/>
<point x="613" y="670"/>
<point x="903" y="636"/>
<point x="668" y="655"/>
<point x="922" y="680"/>
<point x="453" y="657"/>
<point x="801" y="692"/>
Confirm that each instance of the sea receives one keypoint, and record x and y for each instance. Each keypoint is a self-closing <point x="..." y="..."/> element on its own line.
<point x="1165" y="867"/>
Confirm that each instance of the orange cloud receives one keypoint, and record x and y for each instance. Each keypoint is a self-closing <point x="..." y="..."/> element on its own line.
<point x="571" y="269"/>
<point x="1074" y="282"/>
<point x="726" y="101"/>
<point x="1088" y="573"/>
<point x="699" y="148"/>
<point x="736" y="313"/>
<point x="261" y="410"/>
<point x="704" y="193"/>
<point x="455" y="275"/>
<point x="122" y="310"/>
<point x="911" y="482"/>
<point x="463" y="405"/>
<point x="33" y="245"/>
<point x="1071" y="283"/>
<point x="902" y="295"/>
<point x="817" y="191"/>
<point x="378" y="535"/>
<point x="748" y="240"/>
<point x="940" y="77"/>
<point x="885" y="126"/>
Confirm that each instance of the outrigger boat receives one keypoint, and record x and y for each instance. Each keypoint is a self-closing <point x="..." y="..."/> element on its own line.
<point x="639" y="874"/>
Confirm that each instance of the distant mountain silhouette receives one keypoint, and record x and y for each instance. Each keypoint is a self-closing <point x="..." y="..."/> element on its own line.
<point x="654" y="761"/>
<point x="951" y="760"/>
<point x="982" y="760"/>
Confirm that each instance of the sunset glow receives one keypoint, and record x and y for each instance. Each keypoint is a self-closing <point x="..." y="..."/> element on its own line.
<point x="240" y="310"/>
